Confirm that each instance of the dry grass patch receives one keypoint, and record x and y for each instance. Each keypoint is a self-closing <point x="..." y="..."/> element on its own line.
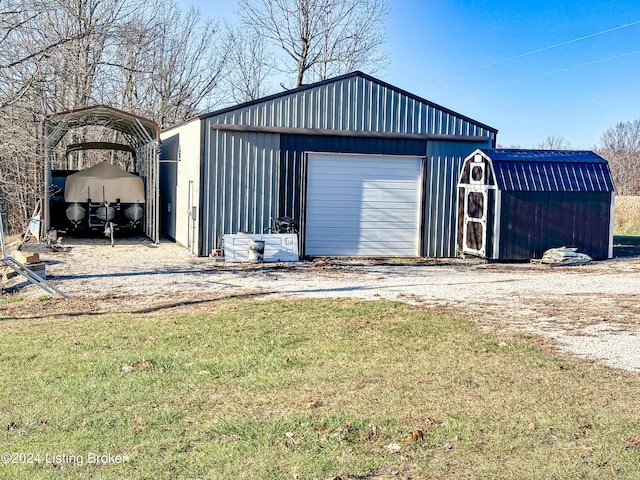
<point x="307" y="389"/>
<point x="627" y="215"/>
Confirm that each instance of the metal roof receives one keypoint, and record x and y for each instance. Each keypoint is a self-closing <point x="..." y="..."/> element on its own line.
<point x="550" y="170"/>
<point x="135" y="129"/>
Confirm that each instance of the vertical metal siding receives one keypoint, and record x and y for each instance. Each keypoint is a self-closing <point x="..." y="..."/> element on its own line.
<point x="444" y="162"/>
<point x="241" y="184"/>
<point x="532" y="222"/>
<point x="355" y="104"/>
<point x="249" y="177"/>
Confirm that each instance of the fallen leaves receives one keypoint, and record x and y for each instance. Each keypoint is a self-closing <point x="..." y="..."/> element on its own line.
<point x="633" y="441"/>
<point x="290" y="441"/>
<point x="140" y="424"/>
<point x="414" y="436"/>
<point x="370" y="434"/>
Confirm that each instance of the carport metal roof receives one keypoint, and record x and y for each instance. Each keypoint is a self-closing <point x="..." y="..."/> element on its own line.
<point x="137" y="130"/>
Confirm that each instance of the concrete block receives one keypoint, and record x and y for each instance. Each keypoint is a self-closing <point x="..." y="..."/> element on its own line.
<point x="37" y="267"/>
<point x="8" y="274"/>
<point x="27" y="258"/>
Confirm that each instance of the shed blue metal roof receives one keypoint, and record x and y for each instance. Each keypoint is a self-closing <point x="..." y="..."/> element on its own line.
<point x="550" y="170"/>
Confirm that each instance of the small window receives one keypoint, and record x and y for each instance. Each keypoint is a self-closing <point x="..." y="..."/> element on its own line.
<point x="477" y="173"/>
<point x="475" y="205"/>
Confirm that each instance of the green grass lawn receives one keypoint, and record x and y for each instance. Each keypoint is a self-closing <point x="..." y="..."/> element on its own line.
<point x="305" y="389"/>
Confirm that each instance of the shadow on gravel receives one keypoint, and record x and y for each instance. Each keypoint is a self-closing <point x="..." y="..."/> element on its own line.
<point x="626" y="246"/>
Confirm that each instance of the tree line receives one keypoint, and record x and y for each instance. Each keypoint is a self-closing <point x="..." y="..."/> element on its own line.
<point x="620" y="146"/>
<point x="156" y="59"/>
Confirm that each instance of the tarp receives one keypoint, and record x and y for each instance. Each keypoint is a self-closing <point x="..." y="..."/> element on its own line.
<point x="117" y="184"/>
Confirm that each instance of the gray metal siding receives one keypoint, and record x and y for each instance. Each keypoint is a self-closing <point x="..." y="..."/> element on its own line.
<point x="249" y="177"/>
<point x="353" y="103"/>
<point x="241" y="181"/>
<point x="444" y="162"/>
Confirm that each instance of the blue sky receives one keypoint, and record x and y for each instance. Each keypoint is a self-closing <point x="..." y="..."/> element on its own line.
<point x="452" y="52"/>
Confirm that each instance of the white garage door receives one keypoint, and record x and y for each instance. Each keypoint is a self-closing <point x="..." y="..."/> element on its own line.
<point x="359" y="205"/>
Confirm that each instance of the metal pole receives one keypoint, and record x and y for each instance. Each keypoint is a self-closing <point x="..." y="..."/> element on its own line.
<point x="23" y="269"/>
<point x="4" y="250"/>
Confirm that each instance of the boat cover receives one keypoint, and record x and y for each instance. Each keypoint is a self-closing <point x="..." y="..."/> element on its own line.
<point x="116" y="183"/>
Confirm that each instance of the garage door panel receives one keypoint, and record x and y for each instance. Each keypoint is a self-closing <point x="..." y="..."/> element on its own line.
<point x="368" y="199"/>
<point x="377" y="236"/>
<point x="386" y="166"/>
<point x="361" y="205"/>
<point x="365" y="250"/>
<point x="400" y="184"/>
<point x="371" y="218"/>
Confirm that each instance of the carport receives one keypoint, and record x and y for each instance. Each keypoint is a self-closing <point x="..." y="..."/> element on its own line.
<point x="139" y="135"/>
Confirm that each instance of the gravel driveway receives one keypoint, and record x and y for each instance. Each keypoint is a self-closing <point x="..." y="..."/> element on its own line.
<point x="593" y="310"/>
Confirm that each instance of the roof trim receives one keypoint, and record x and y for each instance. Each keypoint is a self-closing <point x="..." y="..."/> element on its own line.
<point x="338" y="79"/>
<point x="537" y="155"/>
<point x="346" y="133"/>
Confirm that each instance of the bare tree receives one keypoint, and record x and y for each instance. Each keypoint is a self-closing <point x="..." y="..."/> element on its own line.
<point x="179" y="62"/>
<point x="620" y="145"/>
<point x="554" y="142"/>
<point x="145" y="56"/>
<point x="321" y="37"/>
<point x="249" y="66"/>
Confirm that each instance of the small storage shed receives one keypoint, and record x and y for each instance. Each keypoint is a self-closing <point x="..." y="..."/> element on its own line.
<point x="365" y="169"/>
<point x="516" y="204"/>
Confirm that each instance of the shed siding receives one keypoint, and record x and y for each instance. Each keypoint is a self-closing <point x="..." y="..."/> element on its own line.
<point x="533" y="222"/>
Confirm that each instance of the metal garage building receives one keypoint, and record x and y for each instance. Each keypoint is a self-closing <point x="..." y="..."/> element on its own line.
<point x="516" y="204"/>
<point x="367" y="169"/>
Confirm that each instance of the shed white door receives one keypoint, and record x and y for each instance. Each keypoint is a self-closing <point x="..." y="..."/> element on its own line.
<point x="361" y="205"/>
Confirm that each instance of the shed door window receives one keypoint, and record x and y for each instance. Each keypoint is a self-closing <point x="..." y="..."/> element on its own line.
<point x="475" y="208"/>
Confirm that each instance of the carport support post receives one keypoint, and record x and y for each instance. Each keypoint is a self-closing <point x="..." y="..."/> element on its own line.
<point x="47" y="182"/>
<point x="3" y="249"/>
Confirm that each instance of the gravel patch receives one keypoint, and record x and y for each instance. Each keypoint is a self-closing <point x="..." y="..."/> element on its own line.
<point x="592" y="311"/>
